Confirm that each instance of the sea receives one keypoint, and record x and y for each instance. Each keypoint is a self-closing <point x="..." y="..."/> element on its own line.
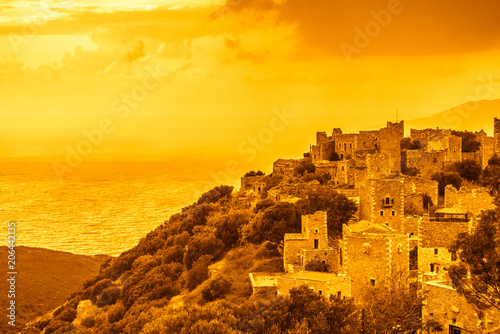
<point x="98" y="207"/>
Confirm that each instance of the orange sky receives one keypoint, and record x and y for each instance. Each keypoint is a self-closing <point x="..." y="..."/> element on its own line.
<point x="155" y="79"/>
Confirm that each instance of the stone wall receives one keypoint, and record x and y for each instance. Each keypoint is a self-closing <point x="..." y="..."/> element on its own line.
<point x="321" y="137"/>
<point x="379" y="165"/>
<point x="315" y="153"/>
<point x="410" y="226"/>
<point x="329" y="257"/>
<point x="496" y="135"/>
<point x="386" y="201"/>
<point x="345" y="145"/>
<point x="342" y="173"/>
<point x="430" y="139"/>
<point x="286" y="167"/>
<point x="327" y="167"/>
<point x="439" y="257"/>
<point x="385" y="141"/>
<point x="454" y="148"/>
<point x="322" y="283"/>
<point x="390" y="143"/>
<point x="367" y="140"/>
<point x="433" y="234"/>
<point x="449" y="308"/>
<point x="473" y="156"/>
<point x="422" y="186"/>
<point x="312" y="242"/>
<point x="427" y="163"/>
<point x="372" y="258"/>
<point x="487" y="150"/>
<point x="248" y="182"/>
<point x="472" y="200"/>
<point x="294" y="243"/>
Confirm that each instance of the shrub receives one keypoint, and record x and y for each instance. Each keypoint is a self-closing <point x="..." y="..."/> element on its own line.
<point x="408" y="144"/>
<point x="305" y="166"/>
<point x="227" y="227"/>
<point x="115" y="312"/>
<point x="274" y="222"/>
<point x="271" y="181"/>
<point x="264" y="204"/>
<point x="108" y="296"/>
<point x="469" y="142"/>
<point x="68" y="314"/>
<point x="254" y="173"/>
<point x="89" y="321"/>
<point x="58" y="326"/>
<point x="445" y="179"/>
<point x="338" y="207"/>
<point x="214" y="195"/>
<point x="334" y="157"/>
<point x="468" y="169"/>
<point x="173" y="254"/>
<point x="218" y="287"/>
<point x="200" y="245"/>
<point x="199" y="272"/>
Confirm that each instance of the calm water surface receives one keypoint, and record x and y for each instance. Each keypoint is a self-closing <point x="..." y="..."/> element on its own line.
<point x="99" y="208"/>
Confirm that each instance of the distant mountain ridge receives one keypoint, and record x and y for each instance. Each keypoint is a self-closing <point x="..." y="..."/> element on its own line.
<point x="472" y="116"/>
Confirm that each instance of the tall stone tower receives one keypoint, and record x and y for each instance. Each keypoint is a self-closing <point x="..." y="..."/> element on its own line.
<point x="382" y="202"/>
<point x="496" y="135"/>
<point x="390" y="140"/>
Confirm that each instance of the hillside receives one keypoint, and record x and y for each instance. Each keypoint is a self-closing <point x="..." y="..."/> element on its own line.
<point x="45" y="280"/>
<point x="190" y="274"/>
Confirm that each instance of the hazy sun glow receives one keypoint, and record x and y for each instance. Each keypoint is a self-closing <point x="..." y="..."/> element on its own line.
<point x="200" y="77"/>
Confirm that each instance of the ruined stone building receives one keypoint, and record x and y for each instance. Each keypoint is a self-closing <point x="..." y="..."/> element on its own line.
<point x="496" y="136"/>
<point x="485" y="152"/>
<point x="286" y="167"/>
<point x="253" y="183"/>
<point x="438" y="149"/>
<point x="310" y="244"/>
<point x="353" y="159"/>
<point x="398" y="231"/>
<point x="373" y="255"/>
<point x="435" y="236"/>
<point x="468" y="199"/>
<point x="454" y="313"/>
<point x="300" y="250"/>
<point x="383" y="144"/>
<point x="444" y="304"/>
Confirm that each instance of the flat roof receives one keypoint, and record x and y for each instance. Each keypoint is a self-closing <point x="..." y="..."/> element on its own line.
<point x="295" y="236"/>
<point x="440" y="284"/>
<point x="455" y="210"/>
<point x="370" y="227"/>
<point x="313" y="276"/>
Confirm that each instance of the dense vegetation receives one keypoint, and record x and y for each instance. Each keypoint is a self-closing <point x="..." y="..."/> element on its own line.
<point x="476" y="276"/>
<point x="446" y="178"/>
<point x="408" y="144"/>
<point x="190" y="275"/>
<point x="198" y="256"/>
<point x="469" y="142"/>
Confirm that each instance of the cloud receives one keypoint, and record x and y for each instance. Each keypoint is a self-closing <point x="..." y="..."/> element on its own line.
<point x="136" y="52"/>
<point x="422" y="27"/>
